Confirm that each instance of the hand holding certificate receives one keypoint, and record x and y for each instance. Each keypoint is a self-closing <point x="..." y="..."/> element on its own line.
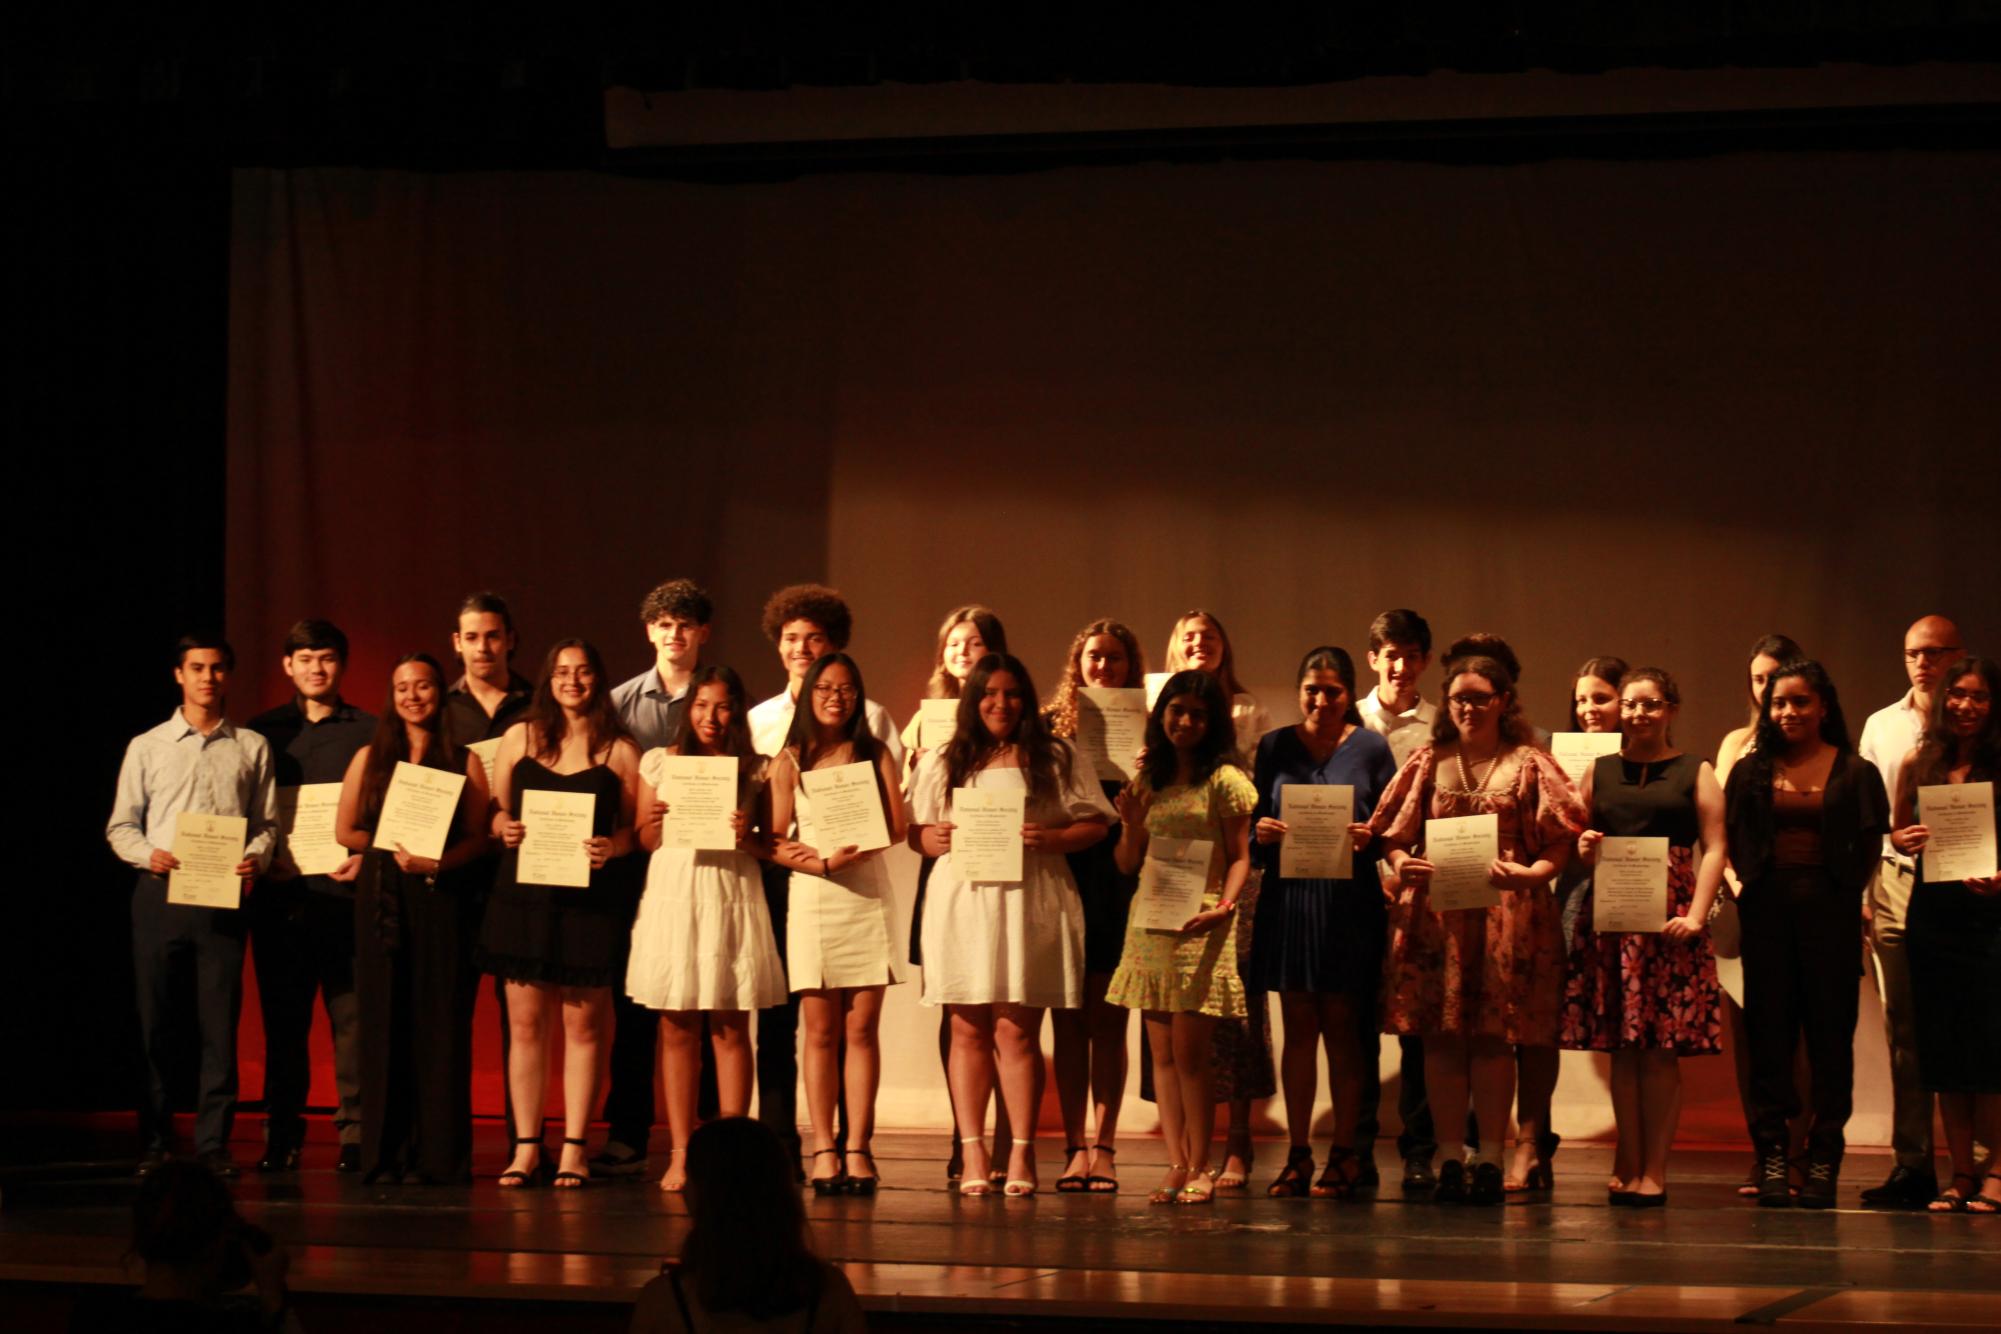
<point x="1629" y="888"/>
<point x="1316" y="845"/>
<point x="1111" y="729"/>
<point x="209" y="849"/>
<point x="306" y="815"/>
<point x="555" y="826"/>
<point x="699" y="792"/>
<point x="1960" y="817"/>
<point x="986" y="835"/>
<point x="1172" y="881"/>
<point x="1576" y="752"/>
<point x="842" y="810"/>
<point x="1462" y="850"/>
<point x="418" y="810"/>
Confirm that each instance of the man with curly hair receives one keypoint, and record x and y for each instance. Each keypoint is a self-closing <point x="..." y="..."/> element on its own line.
<point x="806" y="622"/>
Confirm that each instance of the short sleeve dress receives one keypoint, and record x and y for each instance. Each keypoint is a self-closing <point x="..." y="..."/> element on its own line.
<point x="837" y="928"/>
<point x="1167" y="970"/>
<point x="702" y="939"/>
<point x="1019" y="944"/>
<point x="1487" y="972"/>
<point x="1641" y="990"/>
<point x="1325" y="936"/>
<point x="554" y="934"/>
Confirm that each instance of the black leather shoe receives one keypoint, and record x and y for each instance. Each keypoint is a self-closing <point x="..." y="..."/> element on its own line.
<point x="1368" y="1178"/>
<point x="1487" y="1187"/>
<point x="279" y="1158"/>
<point x="349" y="1160"/>
<point x="1775" y="1187"/>
<point x="1822" y="1174"/>
<point x="1906" y="1188"/>
<point x="1451" y="1187"/>
<point x="1418" y="1178"/>
<point x="219" y="1162"/>
<point x="617" y="1159"/>
<point x="150" y="1160"/>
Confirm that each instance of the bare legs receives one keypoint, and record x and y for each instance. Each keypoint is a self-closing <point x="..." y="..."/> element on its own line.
<point x="827" y="1016"/>
<point x="1646" y="1103"/>
<point x="1459" y="1069"/>
<point x="1091" y="1060"/>
<point x="1536" y="1068"/>
<point x="531" y="1019"/>
<point x="990" y="1041"/>
<point x="1970" y="1116"/>
<point x="681" y="1067"/>
<point x="1184" y="1089"/>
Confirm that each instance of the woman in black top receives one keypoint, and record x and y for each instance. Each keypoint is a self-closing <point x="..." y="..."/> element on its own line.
<point x="1806" y="819"/>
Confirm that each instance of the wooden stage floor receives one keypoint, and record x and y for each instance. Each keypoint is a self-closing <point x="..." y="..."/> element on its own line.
<point x="925" y="1259"/>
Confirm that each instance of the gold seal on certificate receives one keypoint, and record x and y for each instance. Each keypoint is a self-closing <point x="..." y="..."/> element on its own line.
<point x="1461" y="849"/>
<point x="937" y="719"/>
<point x="700" y="792"/>
<point x="418" y="809"/>
<point x="1172" y="881"/>
<point x="986" y="835"/>
<point x="1317" y="816"/>
<point x="842" y="810"/>
<point x="1576" y="752"/>
<point x="306" y="818"/>
<point x="1629" y="886"/>
<point x="1111" y="728"/>
<point x="554" y="827"/>
<point x="208" y="848"/>
<point x="1960" y="817"/>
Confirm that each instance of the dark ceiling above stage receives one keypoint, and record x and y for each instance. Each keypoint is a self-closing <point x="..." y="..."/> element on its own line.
<point x="462" y="85"/>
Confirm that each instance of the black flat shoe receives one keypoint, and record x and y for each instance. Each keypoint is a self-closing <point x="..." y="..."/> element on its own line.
<point x="864" y="1186"/>
<point x="349" y="1160"/>
<point x="1639" y="1201"/>
<point x="1451" y="1186"/>
<point x="279" y="1158"/>
<point x="1619" y="1199"/>
<point x="836" y="1184"/>
<point x="1486" y="1187"/>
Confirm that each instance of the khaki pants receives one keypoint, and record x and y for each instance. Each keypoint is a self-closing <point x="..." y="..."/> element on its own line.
<point x="1911" y="1124"/>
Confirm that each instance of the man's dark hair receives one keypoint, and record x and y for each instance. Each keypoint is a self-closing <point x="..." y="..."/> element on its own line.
<point x="312" y="634"/>
<point x="486" y="602"/>
<point x="683" y="599"/>
<point x="195" y="639"/>
<point x="1401" y="626"/>
<point x="821" y="605"/>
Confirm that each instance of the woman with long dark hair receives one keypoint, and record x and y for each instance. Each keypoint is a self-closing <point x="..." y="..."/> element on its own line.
<point x="1476" y="983"/>
<point x="1000" y="953"/>
<point x="702" y="944"/>
<point x="414" y="923"/>
<point x="560" y="949"/>
<point x="1649" y="998"/>
<point x="1090" y="1043"/>
<point x="839" y="952"/>
<point x="747" y="1262"/>
<point x="1954" y="937"/>
<point x="1319" y="941"/>
<point x="1185" y="981"/>
<point x="1806" y="816"/>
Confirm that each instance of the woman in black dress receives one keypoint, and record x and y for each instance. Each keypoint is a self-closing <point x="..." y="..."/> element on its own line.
<point x="414" y="921"/>
<point x="1954" y="938"/>
<point x="560" y="948"/>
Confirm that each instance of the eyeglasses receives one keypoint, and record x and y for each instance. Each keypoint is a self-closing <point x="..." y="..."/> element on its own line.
<point x="1643" y="706"/>
<point x="834" y="692"/>
<point x="1958" y="696"/>
<point x="1929" y="655"/>
<point x="1470" y="699"/>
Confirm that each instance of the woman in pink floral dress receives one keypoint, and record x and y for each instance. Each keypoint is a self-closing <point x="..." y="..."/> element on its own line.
<point x="1475" y="982"/>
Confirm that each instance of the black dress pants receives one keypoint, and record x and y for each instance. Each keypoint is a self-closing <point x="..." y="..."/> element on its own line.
<point x="175" y="945"/>
<point x="302" y="944"/>
<point x="1802" y="964"/>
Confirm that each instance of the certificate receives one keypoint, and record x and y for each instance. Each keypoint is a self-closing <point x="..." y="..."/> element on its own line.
<point x="1154" y="681"/>
<point x="1461" y="849"/>
<point x="306" y="815"/>
<point x="418" y="809"/>
<point x="1961" y="819"/>
<point x="1172" y="881"/>
<point x="842" y="810"/>
<point x="986" y="834"/>
<point x="700" y="792"/>
<point x="1111" y="728"/>
<point x="1317" y="816"/>
<point x="1629" y="886"/>
<point x="489" y="754"/>
<point x="208" y="848"/>
<point x="554" y="827"/>
<point x="1576" y="752"/>
<point x="937" y="719"/>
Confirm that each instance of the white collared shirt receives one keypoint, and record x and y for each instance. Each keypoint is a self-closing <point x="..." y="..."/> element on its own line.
<point x="1404" y="731"/>
<point x="772" y="719"/>
<point x="1890" y="734"/>
<point x="173" y="768"/>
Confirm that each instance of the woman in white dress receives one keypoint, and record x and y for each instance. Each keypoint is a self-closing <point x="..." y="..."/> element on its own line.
<point x="838" y="940"/>
<point x="702" y="940"/>
<point x="997" y="954"/>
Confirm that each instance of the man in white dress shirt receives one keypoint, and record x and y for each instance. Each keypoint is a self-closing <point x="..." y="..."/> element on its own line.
<point x="1891" y="733"/>
<point x="1399" y="652"/>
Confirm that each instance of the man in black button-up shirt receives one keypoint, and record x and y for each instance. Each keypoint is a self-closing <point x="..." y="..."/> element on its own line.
<point x="302" y="926"/>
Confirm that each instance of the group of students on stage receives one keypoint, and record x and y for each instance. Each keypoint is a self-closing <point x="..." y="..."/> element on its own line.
<point x="1776" y="856"/>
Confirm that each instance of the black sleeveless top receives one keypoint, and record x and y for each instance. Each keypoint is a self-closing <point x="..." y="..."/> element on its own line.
<point x="1651" y="799"/>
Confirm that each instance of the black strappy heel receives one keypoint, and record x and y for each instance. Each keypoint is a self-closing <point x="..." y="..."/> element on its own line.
<point x="515" y="1178"/>
<point x="836" y="1184"/>
<point x="1098" y="1183"/>
<point x="1072" y="1183"/>
<point x="572" y="1180"/>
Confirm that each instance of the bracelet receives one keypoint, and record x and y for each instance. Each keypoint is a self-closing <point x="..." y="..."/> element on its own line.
<point x="1227" y="905"/>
